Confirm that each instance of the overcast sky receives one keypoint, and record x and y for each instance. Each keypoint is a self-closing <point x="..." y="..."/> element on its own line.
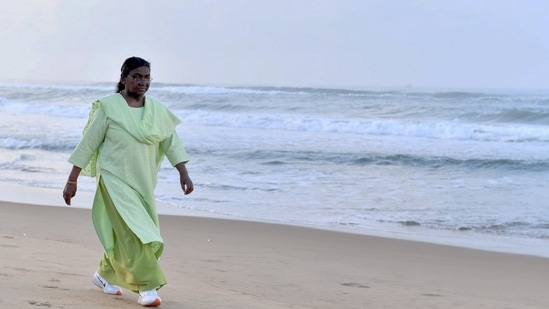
<point x="339" y="43"/>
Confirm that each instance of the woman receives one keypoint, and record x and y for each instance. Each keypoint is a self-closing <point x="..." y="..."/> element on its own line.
<point x="124" y="142"/>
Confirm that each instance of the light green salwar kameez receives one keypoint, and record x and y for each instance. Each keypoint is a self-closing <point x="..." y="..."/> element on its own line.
<point x="123" y="147"/>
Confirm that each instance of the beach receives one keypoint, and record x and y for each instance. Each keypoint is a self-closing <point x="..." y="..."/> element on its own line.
<point x="345" y="155"/>
<point x="305" y="198"/>
<point x="49" y="254"/>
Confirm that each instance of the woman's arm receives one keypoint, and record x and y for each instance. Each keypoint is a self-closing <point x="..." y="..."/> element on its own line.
<point x="186" y="182"/>
<point x="177" y="155"/>
<point x="71" y="186"/>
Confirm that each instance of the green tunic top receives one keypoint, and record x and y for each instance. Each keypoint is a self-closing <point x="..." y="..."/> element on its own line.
<point x="124" y="147"/>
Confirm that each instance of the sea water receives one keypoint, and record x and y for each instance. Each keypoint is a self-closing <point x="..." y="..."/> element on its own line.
<point x="416" y="163"/>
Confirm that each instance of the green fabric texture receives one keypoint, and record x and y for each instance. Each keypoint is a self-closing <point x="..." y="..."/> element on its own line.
<point x="156" y="124"/>
<point x="131" y="265"/>
<point x="128" y="145"/>
<point x="91" y="168"/>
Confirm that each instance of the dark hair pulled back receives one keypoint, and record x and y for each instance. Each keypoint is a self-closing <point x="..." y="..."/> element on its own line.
<point x="129" y="65"/>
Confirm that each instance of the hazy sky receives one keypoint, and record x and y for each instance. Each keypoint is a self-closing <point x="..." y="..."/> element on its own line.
<point x="335" y="43"/>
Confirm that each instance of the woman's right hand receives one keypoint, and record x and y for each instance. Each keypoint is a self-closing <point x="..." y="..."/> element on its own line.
<point x="69" y="192"/>
<point x="70" y="187"/>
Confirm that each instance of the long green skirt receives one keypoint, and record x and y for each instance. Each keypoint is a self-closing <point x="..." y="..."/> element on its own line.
<point x="132" y="265"/>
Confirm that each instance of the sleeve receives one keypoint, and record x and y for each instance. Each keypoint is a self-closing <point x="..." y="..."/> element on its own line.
<point x="91" y="140"/>
<point x="174" y="150"/>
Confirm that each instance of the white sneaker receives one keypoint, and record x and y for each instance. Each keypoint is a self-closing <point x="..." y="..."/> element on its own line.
<point x="107" y="287"/>
<point x="149" y="298"/>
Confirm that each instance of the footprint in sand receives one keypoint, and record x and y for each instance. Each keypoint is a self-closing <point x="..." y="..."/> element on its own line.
<point x="39" y="303"/>
<point x="355" y="285"/>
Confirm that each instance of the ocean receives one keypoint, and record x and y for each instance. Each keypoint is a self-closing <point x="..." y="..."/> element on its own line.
<point x="427" y="164"/>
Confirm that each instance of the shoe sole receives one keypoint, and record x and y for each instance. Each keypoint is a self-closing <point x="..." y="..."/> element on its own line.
<point x="155" y="303"/>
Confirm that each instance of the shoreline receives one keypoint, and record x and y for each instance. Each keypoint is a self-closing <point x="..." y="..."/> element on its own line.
<point x="18" y="193"/>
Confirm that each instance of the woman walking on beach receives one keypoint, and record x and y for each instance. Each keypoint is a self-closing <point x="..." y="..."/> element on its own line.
<point x="124" y="142"/>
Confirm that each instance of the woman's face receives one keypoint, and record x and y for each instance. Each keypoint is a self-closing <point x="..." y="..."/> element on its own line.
<point x="138" y="81"/>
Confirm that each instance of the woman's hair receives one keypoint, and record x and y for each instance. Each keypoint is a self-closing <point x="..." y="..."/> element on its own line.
<point x="129" y="65"/>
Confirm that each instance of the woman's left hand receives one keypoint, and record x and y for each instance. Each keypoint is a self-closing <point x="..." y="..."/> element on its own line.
<point x="186" y="184"/>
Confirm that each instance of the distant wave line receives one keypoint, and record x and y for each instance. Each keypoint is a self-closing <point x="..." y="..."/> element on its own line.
<point x="195" y="89"/>
<point x="270" y="157"/>
<point x="422" y="129"/>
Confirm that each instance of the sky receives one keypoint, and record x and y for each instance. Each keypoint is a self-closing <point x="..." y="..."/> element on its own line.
<point x="303" y="43"/>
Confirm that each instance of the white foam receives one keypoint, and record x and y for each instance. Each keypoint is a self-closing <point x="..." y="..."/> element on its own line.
<point x="443" y="130"/>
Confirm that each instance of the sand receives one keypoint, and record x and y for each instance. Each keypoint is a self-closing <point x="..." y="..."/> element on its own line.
<point x="48" y="255"/>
